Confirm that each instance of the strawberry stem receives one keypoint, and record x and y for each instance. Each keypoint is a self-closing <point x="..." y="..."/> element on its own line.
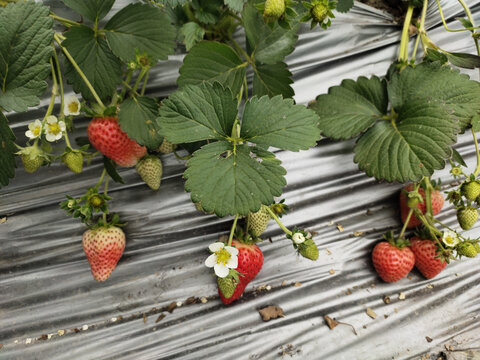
<point x="275" y="217"/>
<point x="403" y="53"/>
<point x="143" y="71"/>
<point x="477" y="169"/>
<point x="101" y="179"/>
<point x="79" y="71"/>
<point x="410" y="213"/>
<point x="445" y="24"/>
<point x="63" y="21"/>
<point x="144" y="86"/>
<point x="428" y="198"/>
<point x="126" y="84"/>
<point x="421" y="29"/>
<point x="232" y="231"/>
<point x="449" y="228"/>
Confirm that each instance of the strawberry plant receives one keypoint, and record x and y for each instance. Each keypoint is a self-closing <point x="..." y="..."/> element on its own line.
<point x="406" y="124"/>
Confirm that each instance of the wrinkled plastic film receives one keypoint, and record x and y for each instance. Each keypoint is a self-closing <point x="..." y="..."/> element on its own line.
<point x="51" y="308"/>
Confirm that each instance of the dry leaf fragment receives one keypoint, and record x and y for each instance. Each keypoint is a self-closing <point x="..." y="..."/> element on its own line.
<point x="1" y="346"/>
<point x="428" y="338"/>
<point x="330" y="223"/>
<point x="371" y="313"/>
<point x="401" y="296"/>
<point x="358" y="233"/>
<point x="271" y="312"/>
<point x="203" y="300"/>
<point x="43" y="337"/>
<point x="429" y="286"/>
<point x="61" y="332"/>
<point x="191" y="300"/>
<point x="333" y="322"/>
<point x="330" y="322"/>
<point x="328" y="251"/>
<point x="331" y="271"/>
<point x="298" y="284"/>
<point x="160" y="317"/>
<point x="144" y="318"/>
<point x="386" y="299"/>
<point x="340" y="228"/>
<point x="171" y="307"/>
<point x="2" y="220"/>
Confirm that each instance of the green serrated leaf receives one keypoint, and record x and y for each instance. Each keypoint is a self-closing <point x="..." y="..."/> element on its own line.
<point x="93" y="10"/>
<point x="279" y="123"/>
<point x="25" y="49"/>
<point x="7" y="151"/>
<point x="140" y="28"/>
<point x="458" y="158"/>
<point x="207" y="11"/>
<point x="465" y="22"/>
<point x="269" y="46"/>
<point x="344" y="5"/>
<point x="112" y="170"/>
<point x="235" y="5"/>
<point x="171" y="3"/>
<point x="92" y="54"/>
<point x="212" y="61"/>
<point x="195" y="113"/>
<point x="272" y="80"/>
<point x="351" y="108"/>
<point x="466" y="61"/>
<point x="412" y="146"/>
<point x="137" y="117"/>
<point x="434" y="82"/>
<point x="434" y="55"/>
<point x="229" y="183"/>
<point x="192" y="33"/>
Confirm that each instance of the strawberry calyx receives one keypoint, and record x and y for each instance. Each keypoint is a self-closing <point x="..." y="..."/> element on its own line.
<point x="399" y="243"/>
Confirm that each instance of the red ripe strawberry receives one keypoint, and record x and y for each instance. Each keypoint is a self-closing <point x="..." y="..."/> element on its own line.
<point x="103" y="247"/>
<point x="107" y="137"/>
<point x="250" y="261"/>
<point x="437" y="204"/>
<point x="391" y="262"/>
<point x="425" y="261"/>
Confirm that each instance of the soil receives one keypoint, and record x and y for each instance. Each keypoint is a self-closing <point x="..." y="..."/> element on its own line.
<point x="394" y="7"/>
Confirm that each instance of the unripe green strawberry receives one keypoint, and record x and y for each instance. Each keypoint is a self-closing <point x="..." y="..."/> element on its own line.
<point x="476" y="245"/>
<point x="167" y="147"/>
<point x="150" y="170"/>
<point x="74" y="161"/>
<point x="471" y="190"/>
<point x="466" y="249"/>
<point x="274" y="9"/>
<point x="227" y="286"/>
<point x="467" y="217"/>
<point x="319" y="12"/>
<point x="32" y="157"/>
<point x="258" y="221"/>
<point x="308" y="249"/>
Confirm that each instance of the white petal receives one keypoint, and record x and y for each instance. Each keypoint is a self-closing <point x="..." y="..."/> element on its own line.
<point x="210" y="262"/>
<point x="37" y="123"/>
<point x="50" y="137"/>
<point x="29" y="134"/>
<point x="221" y="270"/>
<point x="52" y="119"/>
<point x="62" y="126"/>
<point x="233" y="262"/>
<point x="216" y="246"/>
<point x="58" y="136"/>
<point x="232" y="250"/>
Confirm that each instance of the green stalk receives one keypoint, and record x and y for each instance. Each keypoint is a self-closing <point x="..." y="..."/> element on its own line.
<point x="410" y="213"/>
<point x="232" y="231"/>
<point x="60" y="81"/>
<point x="145" y="83"/>
<point x="54" y="92"/>
<point x="449" y="228"/>
<point x="470" y="18"/>
<point x="104" y="172"/>
<point x="63" y="21"/>
<point x="79" y="71"/>
<point x="445" y="24"/>
<point x="275" y="217"/>
<point x="240" y="50"/>
<point x="403" y="54"/>
<point x="126" y="84"/>
<point x="477" y="169"/>
<point x="421" y="28"/>
<point x="143" y="71"/>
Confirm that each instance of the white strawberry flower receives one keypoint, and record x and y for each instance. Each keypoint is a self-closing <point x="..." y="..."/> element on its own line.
<point x="54" y="129"/>
<point x="450" y="238"/>
<point x="298" y="238"/>
<point x="34" y="130"/>
<point x="223" y="259"/>
<point x="71" y="105"/>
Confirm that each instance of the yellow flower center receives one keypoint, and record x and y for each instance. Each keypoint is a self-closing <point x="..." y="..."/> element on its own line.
<point x="73" y="107"/>
<point x="449" y="240"/>
<point x="36" y="131"/>
<point x="54" y="128"/>
<point x="222" y="256"/>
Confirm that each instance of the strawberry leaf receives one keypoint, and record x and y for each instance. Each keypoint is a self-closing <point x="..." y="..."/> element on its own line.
<point x="278" y="122"/>
<point x="269" y="46"/>
<point x="194" y="113"/>
<point x="466" y="61"/>
<point x="7" y="151"/>
<point x="351" y="108"/>
<point x="212" y="61"/>
<point x="192" y="34"/>
<point x="409" y="147"/>
<point x="93" y="10"/>
<point x="433" y="82"/>
<point x="272" y="80"/>
<point x="25" y="49"/>
<point x="230" y="181"/>
<point x="92" y="54"/>
<point x="137" y="117"/>
<point x="235" y="5"/>
<point x="141" y="28"/>
<point x="344" y="5"/>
